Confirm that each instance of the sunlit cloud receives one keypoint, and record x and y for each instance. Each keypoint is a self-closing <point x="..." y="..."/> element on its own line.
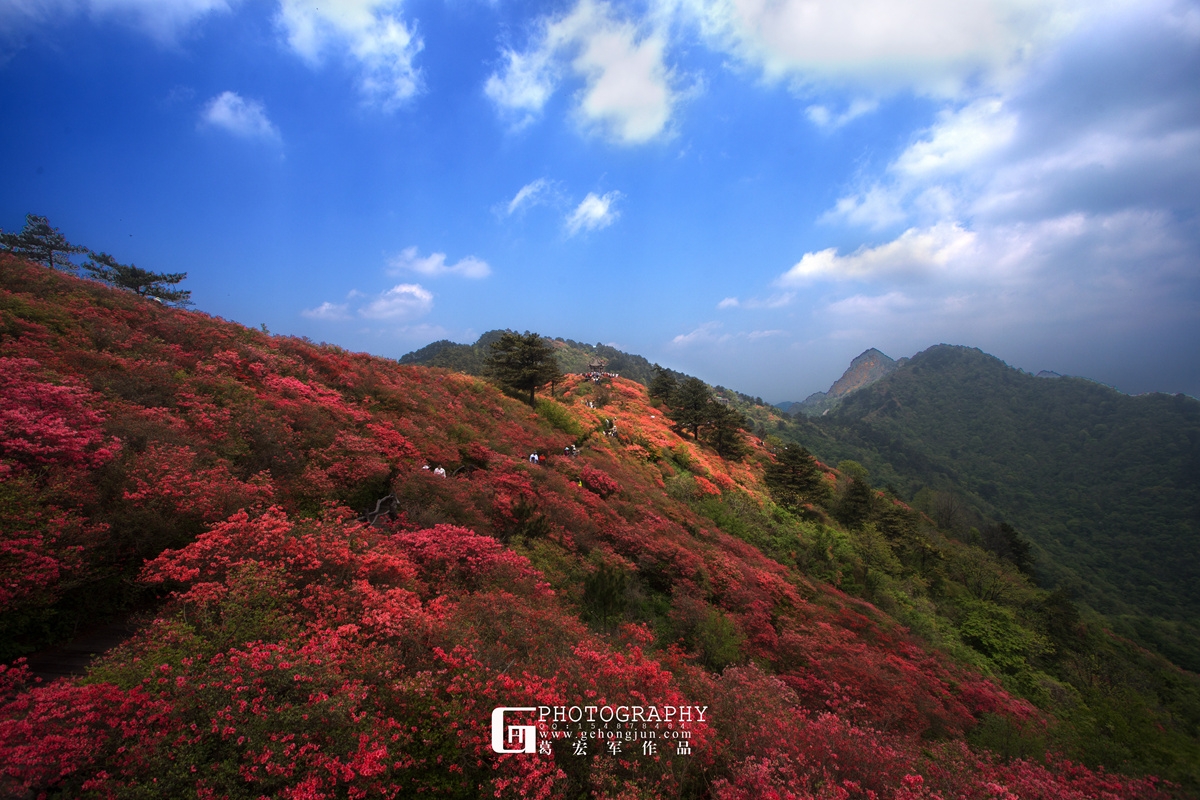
<point x="402" y="302"/>
<point x="627" y="90"/>
<point x="706" y="334"/>
<point x="434" y="265"/>
<point x="593" y="213"/>
<point x="827" y="119"/>
<point x="230" y="112"/>
<point x="521" y="89"/>
<point x="529" y="195"/>
<point x="383" y="45"/>
<point x="933" y="46"/>
<point x="915" y="252"/>
<point x="330" y="312"/>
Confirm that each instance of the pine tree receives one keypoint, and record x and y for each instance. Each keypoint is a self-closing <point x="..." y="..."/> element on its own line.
<point x="858" y="499"/>
<point x="521" y="363"/>
<point x="795" y="478"/>
<point x="39" y="242"/>
<point x="663" y="385"/>
<point x="725" y="426"/>
<point x="689" y="406"/>
<point x="140" y="281"/>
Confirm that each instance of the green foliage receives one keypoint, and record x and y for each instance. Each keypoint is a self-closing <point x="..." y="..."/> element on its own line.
<point x="857" y="501"/>
<point x="663" y="385"/>
<point x="724" y="427"/>
<point x="604" y="595"/>
<point x="707" y="631"/>
<point x="995" y="632"/>
<point x="794" y="478"/>
<point x="520" y="363"/>
<point x="557" y="415"/>
<point x="689" y="406"/>
<point x="1102" y="486"/>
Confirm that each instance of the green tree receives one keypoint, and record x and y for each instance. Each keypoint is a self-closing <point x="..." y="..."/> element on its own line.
<point x="663" y="385"/>
<point x="858" y="499"/>
<point x="725" y="426"/>
<point x="1004" y="541"/>
<point x="140" y="281"/>
<point x="520" y="363"/>
<point x="794" y="478"/>
<point x="689" y="406"/>
<point x="604" y="594"/>
<point x="39" y="242"/>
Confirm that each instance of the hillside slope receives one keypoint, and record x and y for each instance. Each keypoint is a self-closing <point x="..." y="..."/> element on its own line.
<point x="1107" y="486"/>
<point x="153" y="456"/>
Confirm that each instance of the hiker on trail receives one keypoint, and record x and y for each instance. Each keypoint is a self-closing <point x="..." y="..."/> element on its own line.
<point x="440" y="471"/>
<point x="533" y="458"/>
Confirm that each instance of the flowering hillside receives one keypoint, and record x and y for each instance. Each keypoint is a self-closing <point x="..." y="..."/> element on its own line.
<point x="633" y="618"/>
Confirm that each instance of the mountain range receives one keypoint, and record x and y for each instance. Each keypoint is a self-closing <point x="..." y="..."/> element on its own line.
<point x="350" y="577"/>
<point x="864" y="370"/>
<point x="1106" y="486"/>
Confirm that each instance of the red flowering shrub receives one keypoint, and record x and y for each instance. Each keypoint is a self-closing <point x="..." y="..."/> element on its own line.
<point x="449" y="556"/>
<point x="44" y="423"/>
<point x="76" y="739"/>
<point x="170" y="480"/>
<point x="598" y="482"/>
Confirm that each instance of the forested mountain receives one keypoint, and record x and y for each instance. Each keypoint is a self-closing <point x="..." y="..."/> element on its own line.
<point x="343" y="569"/>
<point x="1105" y="485"/>
<point x="864" y="370"/>
<point x="573" y="358"/>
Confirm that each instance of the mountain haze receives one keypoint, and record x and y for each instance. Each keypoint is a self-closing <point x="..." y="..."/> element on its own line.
<point x="864" y="370"/>
<point x="1106" y="486"/>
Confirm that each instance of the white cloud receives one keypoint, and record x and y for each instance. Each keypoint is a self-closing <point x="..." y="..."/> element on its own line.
<point x="368" y="31"/>
<point x="916" y="252"/>
<point x="729" y="302"/>
<point x="529" y="195"/>
<point x="241" y="117"/>
<point x="962" y="139"/>
<point x="823" y="117"/>
<point x="525" y="85"/>
<point x="627" y="93"/>
<point x="594" y="213"/>
<point x="330" y="312"/>
<point x="434" y="265"/>
<point x="870" y="306"/>
<point x="932" y="46"/>
<point x="877" y="207"/>
<point x="1067" y="279"/>
<point x="403" y="301"/>
<point x="706" y="334"/>
<point x="709" y="335"/>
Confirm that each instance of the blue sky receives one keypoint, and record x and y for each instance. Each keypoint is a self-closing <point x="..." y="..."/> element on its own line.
<point x="751" y="191"/>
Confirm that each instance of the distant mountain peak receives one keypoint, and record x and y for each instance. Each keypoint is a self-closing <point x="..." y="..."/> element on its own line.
<point x="864" y="370"/>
